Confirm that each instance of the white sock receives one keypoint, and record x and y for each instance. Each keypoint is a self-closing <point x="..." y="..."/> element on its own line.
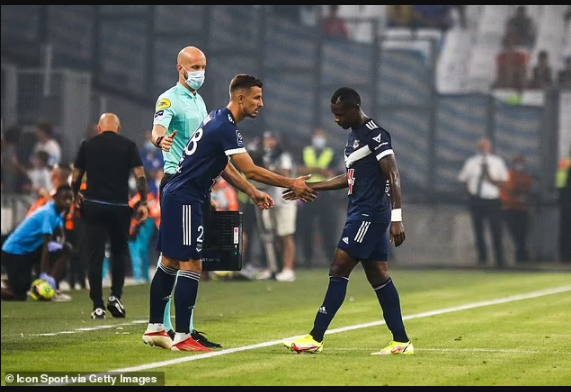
<point x="180" y="337"/>
<point x="155" y="328"/>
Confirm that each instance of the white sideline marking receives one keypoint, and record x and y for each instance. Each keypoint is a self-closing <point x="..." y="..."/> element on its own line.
<point x="199" y="357"/>
<point x="92" y="329"/>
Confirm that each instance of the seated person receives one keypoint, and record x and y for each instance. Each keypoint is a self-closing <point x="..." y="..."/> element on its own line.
<point x="400" y="16"/>
<point x="542" y="74"/>
<point x="32" y="244"/>
<point x="433" y="17"/>
<point x="511" y="67"/>
<point x="520" y="29"/>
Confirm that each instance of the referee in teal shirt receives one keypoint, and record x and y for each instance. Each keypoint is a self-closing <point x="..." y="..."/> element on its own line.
<point x="179" y="112"/>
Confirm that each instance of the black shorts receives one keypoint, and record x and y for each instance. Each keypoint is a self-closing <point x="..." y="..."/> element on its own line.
<point x="19" y="269"/>
<point x="163" y="184"/>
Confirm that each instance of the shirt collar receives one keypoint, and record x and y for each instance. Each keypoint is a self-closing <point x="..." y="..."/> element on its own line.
<point x="230" y="116"/>
<point x="186" y="91"/>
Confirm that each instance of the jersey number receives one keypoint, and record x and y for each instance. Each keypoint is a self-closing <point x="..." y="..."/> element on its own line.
<point x="193" y="142"/>
<point x="191" y="147"/>
<point x="351" y="180"/>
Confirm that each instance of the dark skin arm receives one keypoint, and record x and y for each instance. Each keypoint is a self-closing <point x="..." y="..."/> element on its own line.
<point x="390" y="170"/>
<point x="334" y="184"/>
<point x="45" y="261"/>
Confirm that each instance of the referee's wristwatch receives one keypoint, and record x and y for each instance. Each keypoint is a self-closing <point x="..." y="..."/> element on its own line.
<point x="159" y="141"/>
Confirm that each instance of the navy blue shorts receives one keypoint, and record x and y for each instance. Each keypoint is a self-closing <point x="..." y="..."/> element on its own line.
<point x="181" y="234"/>
<point x="366" y="241"/>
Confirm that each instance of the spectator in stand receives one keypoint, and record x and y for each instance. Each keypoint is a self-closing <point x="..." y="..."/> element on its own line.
<point x="46" y="142"/>
<point x="14" y="176"/>
<point x="40" y="174"/>
<point x="564" y="79"/>
<point x="521" y="29"/>
<point x="511" y="66"/>
<point x="400" y="16"/>
<point x="334" y="26"/>
<point x="433" y="17"/>
<point x="542" y="74"/>
<point x="291" y="13"/>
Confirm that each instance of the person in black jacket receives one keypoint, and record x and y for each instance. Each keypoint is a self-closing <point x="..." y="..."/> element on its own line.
<point x="108" y="160"/>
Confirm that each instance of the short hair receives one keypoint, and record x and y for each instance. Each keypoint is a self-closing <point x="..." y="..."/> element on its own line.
<point x="347" y="97"/>
<point x="63" y="188"/>
<point x="244" y="81"/>
<point x="46" y="127"/>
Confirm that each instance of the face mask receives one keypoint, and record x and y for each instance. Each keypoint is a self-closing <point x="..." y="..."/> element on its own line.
<point x="195" y="80"/>
<point x="319" y="142"/>
<point x="149" y="146"/>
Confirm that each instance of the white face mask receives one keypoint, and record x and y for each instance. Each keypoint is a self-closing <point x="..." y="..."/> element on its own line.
<point x="195" y="80"/>
<point x="319" y="142"/>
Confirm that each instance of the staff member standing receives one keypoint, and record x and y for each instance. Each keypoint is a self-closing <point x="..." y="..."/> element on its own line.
<point x="484" y="175"/>
<point x="564" y="186"/>
<point x="108" y="160"/>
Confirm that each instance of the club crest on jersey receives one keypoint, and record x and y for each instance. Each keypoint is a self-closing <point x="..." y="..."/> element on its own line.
<point x="378" y="139"/>
<point x="356" y="144"/>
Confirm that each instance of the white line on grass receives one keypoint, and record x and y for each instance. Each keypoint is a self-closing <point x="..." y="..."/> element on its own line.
<point x="199" y="357"/>
<point x="92" y="329"/>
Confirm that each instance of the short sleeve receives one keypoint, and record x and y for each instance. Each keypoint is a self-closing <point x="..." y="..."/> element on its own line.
<point x="51" y="222"/>
<point x="80" y="159"/>
<point x="232" y="140"/>
<point x="380" y="144"/>
<point x="164" y="113"/>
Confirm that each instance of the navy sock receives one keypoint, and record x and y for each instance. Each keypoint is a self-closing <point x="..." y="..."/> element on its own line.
<point x="390" y="303"/>
<point x="185" y="294"/>
<point x="334" y="298"/>
<point x="161" y="290"/>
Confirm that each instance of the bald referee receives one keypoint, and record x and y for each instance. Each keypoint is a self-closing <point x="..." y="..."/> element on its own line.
<point x="108" y="160"/>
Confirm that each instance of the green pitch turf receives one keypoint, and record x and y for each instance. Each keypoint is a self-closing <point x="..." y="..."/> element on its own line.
<point x="469" y="329"/>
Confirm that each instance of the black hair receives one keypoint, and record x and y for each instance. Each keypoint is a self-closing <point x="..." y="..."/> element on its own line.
<point x="46" y="127"/>
<point x="62" y="189"/>
<point x="347" y="97"/>
<point x="244" y="81"/>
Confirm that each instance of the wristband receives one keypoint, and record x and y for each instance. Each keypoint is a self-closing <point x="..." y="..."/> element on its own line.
<point x="159" y="141"/>
<point x="397" y="215"/>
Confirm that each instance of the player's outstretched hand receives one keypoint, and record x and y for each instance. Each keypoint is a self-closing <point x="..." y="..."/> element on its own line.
<point x="397" y="233"/>
<point x="168" y="141"/>
<point x="289" y="195"/>
<point x="302" y="190"/>
<point x="263" y="200"/>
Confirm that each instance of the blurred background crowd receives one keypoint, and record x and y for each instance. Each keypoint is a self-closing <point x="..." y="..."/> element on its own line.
<point x="440" y="78"/>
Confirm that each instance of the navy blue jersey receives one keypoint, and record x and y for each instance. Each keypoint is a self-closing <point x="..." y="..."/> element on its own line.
<point x="369" y="190"/>
<point x="205" y="157"/>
